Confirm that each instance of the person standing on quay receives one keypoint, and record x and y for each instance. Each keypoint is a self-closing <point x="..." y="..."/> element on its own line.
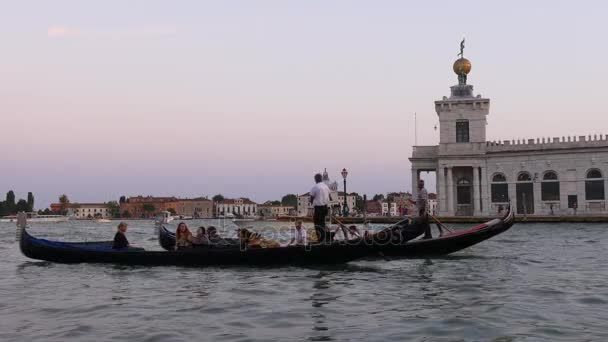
<point x="319" y="197"/>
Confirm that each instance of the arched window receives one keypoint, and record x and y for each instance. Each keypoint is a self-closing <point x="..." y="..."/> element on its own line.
<point x="463" y="181"/>
<point x="594" y="186"/>
<point x="549" y="187"/>
<point x="499" y="188"/>
<point x="499" y="177"/>
<point x="524" y="177"/>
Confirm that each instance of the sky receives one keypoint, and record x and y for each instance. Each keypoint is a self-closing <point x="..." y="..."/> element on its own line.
<point x="100" y="99"/>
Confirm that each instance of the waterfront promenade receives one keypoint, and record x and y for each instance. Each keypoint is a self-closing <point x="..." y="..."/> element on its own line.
<point x="466" y="219"/>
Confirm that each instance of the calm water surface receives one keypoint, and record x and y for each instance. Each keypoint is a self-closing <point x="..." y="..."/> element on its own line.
<point x="536" y="282"/>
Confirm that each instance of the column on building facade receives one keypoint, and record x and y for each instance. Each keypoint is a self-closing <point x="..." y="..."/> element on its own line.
<point x="476" y="195"/>
<point x="538" y="204"/>
<point x="415" y="175"/>
<point x="450" y="193"/>
<point x="512" y="188"/>
<point x="485" y="192"/>
<point x="440" y="175"/>
<point x="605" y="191"/>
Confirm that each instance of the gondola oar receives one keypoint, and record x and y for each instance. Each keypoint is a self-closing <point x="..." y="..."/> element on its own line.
<point x="441" y="224"/>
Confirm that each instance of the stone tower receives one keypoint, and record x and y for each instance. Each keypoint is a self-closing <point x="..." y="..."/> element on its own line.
<point x="462" y="116"/>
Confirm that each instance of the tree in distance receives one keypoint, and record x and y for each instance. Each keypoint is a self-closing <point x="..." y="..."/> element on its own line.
<point x="64" y="201"/>
<point x="149" y="208"/>
<point x="113" y="209"/>
<point x="30" y="201"/>
<point x="9" y="204"/>
<point x="22" y="206"/>
<point x="290" y="200"/>
<point x="378" y="197"/>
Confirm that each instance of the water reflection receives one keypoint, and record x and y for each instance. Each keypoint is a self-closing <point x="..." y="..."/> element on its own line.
<point x="322" y="286"/>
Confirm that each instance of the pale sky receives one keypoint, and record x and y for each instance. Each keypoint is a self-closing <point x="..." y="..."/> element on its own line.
<point x="251" y="98"/>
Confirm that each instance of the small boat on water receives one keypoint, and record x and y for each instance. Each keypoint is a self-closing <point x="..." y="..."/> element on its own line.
<point x="102" y="220"/>
<point x="35" y="218"/>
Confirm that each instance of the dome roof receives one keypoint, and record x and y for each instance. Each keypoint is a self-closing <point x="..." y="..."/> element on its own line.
<point x="462" y="66"/>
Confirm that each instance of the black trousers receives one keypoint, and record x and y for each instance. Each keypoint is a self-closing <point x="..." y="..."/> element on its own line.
<point x="318" y="218"/>
<point x="424" y="218"/>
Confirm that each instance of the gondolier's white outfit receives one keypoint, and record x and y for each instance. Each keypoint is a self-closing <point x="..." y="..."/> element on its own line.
<point x="320" y="200"/>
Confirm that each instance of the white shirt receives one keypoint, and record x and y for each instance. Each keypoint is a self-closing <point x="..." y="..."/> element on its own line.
<point x="299" y="236"/>
<point x="422" y="199"/>
<point x="320" y="194"/>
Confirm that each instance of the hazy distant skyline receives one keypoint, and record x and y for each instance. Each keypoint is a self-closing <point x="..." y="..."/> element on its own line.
<point x="250" y="98"/>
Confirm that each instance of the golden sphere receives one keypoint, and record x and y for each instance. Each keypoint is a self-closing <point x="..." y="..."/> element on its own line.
<point x="462" y="65"/>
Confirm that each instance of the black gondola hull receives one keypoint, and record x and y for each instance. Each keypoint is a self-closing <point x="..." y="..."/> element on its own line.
<point x="336" y="253"/>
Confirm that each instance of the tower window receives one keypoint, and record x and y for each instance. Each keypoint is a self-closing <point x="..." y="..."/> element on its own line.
<point x="462" y="131"/>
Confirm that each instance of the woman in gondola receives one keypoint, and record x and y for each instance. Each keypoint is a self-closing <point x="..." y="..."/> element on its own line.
<point x="183" y="237"/>
<point x="120" y="240"/>
<point x="200" y="239"/>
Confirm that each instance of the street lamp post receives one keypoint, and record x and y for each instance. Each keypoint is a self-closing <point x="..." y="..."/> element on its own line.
<point x="345" y="209"/>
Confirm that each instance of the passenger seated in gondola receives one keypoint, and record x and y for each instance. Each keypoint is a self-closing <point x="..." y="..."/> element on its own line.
<point x="215" y="239"/>
<point x="299" y="235"/>
<point x="183" y="237"/>
<point x="255" y="240"/>
<point x="200" y="239"/>
<point x="120" y="240"/>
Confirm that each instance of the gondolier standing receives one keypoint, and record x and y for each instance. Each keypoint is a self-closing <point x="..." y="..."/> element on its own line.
<point x="319" y="197"/>
<point x="422" y="204"/>
<point x="422" y="199"/>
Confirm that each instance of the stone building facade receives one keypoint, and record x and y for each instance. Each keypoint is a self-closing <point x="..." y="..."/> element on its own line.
<point x="270" y="210"/>
<point x="541" y="176"/>
<point x="238" y="206"/>
<point x="195" y="207"/>
<point x="89" y="210"/>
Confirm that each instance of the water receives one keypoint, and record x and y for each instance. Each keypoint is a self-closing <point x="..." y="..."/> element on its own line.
<point x="536" y="282"/>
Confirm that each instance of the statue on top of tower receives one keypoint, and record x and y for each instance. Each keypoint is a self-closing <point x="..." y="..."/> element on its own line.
<point x="462" y="66"/>
<point x="461" y="54"/>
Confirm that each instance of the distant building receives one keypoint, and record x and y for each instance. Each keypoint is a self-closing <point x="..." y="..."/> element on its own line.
<point x="432" y="205"/>
<point x="477" y="176"/>
<point x="147" y="206"/>
<point x="389" y="208"/>
<point x="373" y="208"/>
<point x="56" y="208"/>
<point x="405" y="205"/>
<point x="195" y="207"/>
<point x="237" y="206"/>
<point x="89" y="210"/>
<point x="336" y="197"/>
<point x="270" y="210"/>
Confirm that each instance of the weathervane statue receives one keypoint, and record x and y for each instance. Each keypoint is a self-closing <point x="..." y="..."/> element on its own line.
<point x="462" y="66"/>
<point x="461" y="54"/>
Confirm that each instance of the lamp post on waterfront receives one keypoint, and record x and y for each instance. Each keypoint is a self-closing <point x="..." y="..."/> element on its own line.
<point x="345" y="209"/>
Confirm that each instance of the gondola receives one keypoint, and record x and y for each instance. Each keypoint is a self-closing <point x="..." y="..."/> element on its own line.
<point x="388" y="241"/>
<point x="447" y="244"/>
<point x="102" y="252"/>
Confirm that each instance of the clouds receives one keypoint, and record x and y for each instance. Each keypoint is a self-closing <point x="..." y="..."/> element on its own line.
<point x="62" y="31"/>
